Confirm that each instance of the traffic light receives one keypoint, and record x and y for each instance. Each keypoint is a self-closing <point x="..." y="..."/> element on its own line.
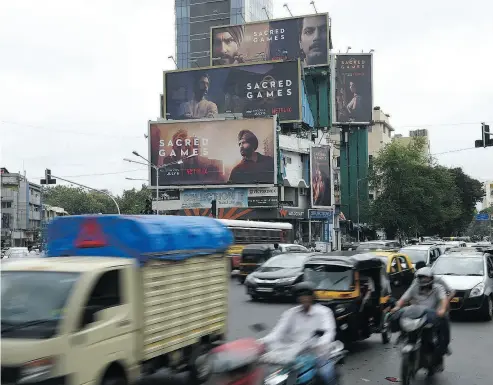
<point x="214" y="208"/>
<point x="486" y="137"/>
<point x="48" y="179"/>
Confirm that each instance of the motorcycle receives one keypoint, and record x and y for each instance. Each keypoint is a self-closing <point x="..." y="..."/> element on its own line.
<point x="420" y="341"/>
<point x="299" y="366"/>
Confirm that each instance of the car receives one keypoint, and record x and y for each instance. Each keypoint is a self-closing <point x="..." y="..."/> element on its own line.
<point x="470" y="275"/>
<point x="399" y="269"/>
<point x="378" y="245"/>
<point x="16" y="252"/>
<point x="425" y="253"/>
<point x="276" y="276"/>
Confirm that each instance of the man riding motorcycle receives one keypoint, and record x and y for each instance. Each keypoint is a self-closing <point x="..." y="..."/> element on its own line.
<point x="426" y="292"/>
<point x="298" y="324"/>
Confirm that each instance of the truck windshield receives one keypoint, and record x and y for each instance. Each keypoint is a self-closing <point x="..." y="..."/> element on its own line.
<point x="330" y="277"/>
<point x="33" y="299"/>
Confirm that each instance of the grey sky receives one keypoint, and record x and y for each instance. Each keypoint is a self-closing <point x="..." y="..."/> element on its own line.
<point x="79" y="79"/>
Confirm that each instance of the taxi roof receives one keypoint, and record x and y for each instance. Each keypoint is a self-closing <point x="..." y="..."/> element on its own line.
<point x="66" y="264"/>
<point x="359" y="261"/>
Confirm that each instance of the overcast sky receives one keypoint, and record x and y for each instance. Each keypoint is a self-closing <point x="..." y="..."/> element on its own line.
<point x="80" y="79"/>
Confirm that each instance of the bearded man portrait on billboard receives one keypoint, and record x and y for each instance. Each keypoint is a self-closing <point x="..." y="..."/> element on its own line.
<point x="254" y="167"/>
<point x="313" y="40"/>
<point x="199" y="107"/>
<point x="226" y="45"/>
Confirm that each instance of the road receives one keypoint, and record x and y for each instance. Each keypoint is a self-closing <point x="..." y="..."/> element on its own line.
<point x="370" y="362"/>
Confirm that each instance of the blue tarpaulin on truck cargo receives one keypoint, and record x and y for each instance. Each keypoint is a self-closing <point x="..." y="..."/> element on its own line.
<point x="142" y="237"/>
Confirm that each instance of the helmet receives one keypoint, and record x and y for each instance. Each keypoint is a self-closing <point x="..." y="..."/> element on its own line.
<point x="303" y="288"/>
<point x="425" y="277"/>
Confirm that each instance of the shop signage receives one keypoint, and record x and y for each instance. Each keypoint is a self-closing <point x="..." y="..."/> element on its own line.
<point x="291" y="213"/>
<point x="326" y="215"/>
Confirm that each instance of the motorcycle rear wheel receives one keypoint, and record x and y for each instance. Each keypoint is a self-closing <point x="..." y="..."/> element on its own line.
<point x="406" y="371"/>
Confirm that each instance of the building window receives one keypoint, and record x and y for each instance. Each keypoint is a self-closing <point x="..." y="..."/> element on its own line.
<point x="6" y="205"/>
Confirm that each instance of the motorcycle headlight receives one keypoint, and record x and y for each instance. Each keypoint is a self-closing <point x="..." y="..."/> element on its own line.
<point x="409" y="325"/>
<point x="276" y="378"/>
<point x="287" y="280"/>
<point x="477" y="290"/>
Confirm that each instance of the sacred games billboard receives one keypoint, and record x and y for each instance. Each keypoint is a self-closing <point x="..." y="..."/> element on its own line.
<point x="247" y="91"/>
<point x="305" y="37"/>
<point x="320" y="177"/>
<point x="214" y="152"/>
<point x="353" y="90"/>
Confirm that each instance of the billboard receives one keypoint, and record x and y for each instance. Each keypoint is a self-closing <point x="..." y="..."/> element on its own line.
<point x="320" y="177"/>
<point x="353" y="90"/>
<point x="214" y="152"/>
<point x="305" y="37"/>
<point x="247" y="91"/>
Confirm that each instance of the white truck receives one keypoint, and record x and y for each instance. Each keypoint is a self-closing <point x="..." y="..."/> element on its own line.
<point x="116" y="298"/>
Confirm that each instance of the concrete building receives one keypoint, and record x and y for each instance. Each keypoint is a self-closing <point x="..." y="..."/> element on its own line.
<point x="194" y="19"/>
<point x="488" y="198"/>
<point x="423" y="133"/>
<point x="51" y="212"/>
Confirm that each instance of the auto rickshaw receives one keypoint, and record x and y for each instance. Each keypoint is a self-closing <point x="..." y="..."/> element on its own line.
<point x="252" y="256"/>
<point x="342" y="282"/>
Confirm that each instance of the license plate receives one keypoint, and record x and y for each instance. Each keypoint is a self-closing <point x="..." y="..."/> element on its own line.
<point x="265" y="289"/>
<point x="456" y="299"/>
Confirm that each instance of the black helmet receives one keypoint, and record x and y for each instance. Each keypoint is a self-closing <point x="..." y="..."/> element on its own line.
<point x="303" y="288"/>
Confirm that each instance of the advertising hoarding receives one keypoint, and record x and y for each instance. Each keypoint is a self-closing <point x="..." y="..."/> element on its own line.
<point x="305" y="37"/>
<point x="247" y="91"/>
<point x="353" y="89"/>
<point x="320" y="175"/>
<point x="230" y="152"/>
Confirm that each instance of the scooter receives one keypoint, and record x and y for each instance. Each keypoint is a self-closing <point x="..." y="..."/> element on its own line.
<point x="299" y="367"/>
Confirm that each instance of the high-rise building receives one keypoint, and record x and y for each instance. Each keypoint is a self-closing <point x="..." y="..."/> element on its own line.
<point x="194" y="19"/>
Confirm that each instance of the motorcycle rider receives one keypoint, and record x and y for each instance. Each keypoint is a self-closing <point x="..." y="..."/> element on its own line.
<point x="426" y="292"/>
<point x="298" y="324"/>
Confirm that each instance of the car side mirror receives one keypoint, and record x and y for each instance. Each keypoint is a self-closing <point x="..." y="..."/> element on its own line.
<point x="89" y="315"/>
<point x="490" y="273"/>
<point x="420" y="265"/>
<point x="318" y="333"/>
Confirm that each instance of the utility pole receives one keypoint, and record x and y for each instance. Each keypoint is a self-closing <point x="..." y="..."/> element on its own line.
<point x="214" y="208"/>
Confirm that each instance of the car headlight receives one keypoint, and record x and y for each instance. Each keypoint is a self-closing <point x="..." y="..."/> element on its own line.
<point x="287" y="280"/>
<point x="409" y="325"/>
<point x="477" y="290"/>
<point x="276" y="378"/>
<point x="37" y="370"/>
<point x="340" y="309"/>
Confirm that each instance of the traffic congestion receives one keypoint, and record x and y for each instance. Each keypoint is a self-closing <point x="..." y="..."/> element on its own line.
<point x="147" y="299"/>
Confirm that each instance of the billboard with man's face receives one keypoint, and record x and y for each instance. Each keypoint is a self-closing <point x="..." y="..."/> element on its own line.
<point x="247" y="91"/>
<point x="214" y="152"/>
<point x="353" y="90"/>
<point x="304" y="37"/>
<point x="320" y="177"/>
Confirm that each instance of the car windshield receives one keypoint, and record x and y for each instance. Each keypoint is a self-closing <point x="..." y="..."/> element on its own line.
<point x="30" y="296"/>
<point x="286" y="261"/>
<point x="416" y="255"/>
<point x="459" y="266"/>
<point x="329" y="277"/>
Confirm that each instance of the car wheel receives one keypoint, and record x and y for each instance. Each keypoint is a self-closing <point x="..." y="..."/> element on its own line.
<point x="254" y="297"/>
<point x="241" y="280"/>
<point x="487" y="310"/>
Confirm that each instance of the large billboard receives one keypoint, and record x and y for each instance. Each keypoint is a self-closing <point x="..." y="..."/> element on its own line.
<point x="247" y="91"/>
<point x="214" y="152"/>
<point x="353" y="91"/>
<point x="321" y="190"/>
<point x="305" y="37"/>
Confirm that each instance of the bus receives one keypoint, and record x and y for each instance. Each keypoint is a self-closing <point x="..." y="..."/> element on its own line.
<point x="248" y="232"/>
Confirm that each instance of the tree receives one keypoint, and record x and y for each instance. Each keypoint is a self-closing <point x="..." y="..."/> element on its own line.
<point x="133" y="201"/>
<point x="413" y="197"/>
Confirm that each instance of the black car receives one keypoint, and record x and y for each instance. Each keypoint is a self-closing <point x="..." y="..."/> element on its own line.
<point x="276" y="277"/>
<point x="470" y="274"/>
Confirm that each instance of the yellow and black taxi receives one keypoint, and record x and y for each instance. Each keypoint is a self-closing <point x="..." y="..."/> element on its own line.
<point x="252" y="256"/>
<point x="399" y="268"/>
<point x="356" y="289"/>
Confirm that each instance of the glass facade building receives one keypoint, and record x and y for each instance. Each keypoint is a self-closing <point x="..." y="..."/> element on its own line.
<point x="194" y="19"/>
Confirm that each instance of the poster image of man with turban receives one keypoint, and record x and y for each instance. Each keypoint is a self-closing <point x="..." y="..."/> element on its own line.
<point x="226" y="45"/>
<point x="253" y="167"/>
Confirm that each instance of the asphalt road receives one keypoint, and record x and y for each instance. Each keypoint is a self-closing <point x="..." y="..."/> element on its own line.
<point x="370" y="362"/>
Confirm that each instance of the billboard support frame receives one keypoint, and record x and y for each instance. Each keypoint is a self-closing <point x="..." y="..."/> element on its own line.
<point x="335" y="59"/>
<point x="179" y="70"/>
<point x="215" y="186"/>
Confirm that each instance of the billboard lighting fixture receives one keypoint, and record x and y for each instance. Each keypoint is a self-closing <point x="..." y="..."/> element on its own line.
<point x="313" y="3"/>
<point x="286" y="6"/>
<point x="348" y="48"/>
<point x="266" y="13"/>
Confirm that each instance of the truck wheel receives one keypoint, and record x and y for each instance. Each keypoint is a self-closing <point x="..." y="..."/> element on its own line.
<point x="199" y="365"/>
<point x="114" y="381"/>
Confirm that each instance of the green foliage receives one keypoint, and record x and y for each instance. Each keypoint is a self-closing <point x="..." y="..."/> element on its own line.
<point x="417" y="197"/>
<point x="76" y="200"/>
